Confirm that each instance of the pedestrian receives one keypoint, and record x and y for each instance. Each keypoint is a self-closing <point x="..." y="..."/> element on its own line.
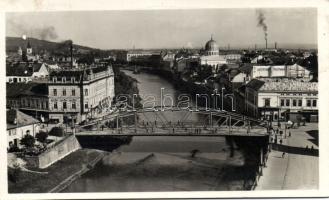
<point x="312" y="148"/>
<point x="289" y="134"/>
<point x="280" y="141"/>
<point x="283" y="154"/>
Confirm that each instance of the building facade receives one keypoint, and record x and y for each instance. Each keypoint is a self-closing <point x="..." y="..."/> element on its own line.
<point x="278" y="99"/>
<point x="292" y="71"/>
<point x="19" y="125"/>
<point x="77" y="95"/>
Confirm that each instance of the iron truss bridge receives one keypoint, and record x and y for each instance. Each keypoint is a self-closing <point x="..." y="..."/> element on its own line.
<point x="174" y="122"/>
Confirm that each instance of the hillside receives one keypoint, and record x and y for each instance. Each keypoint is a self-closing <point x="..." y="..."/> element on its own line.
<point x="12" y="44"/>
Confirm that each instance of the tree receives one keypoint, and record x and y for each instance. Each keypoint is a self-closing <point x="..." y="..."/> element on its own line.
<point x="42" y="136"/>
<point x="28" y="141"/>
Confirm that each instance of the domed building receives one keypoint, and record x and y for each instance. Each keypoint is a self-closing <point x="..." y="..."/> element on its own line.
<point x="212" y="48"/>
<point x="212" y="56"/>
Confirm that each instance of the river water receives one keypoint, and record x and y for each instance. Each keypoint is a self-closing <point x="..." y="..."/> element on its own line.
<point x="165" y="163"/>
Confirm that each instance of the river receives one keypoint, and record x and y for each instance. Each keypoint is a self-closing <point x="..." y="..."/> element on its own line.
<point x="165" y="163"/>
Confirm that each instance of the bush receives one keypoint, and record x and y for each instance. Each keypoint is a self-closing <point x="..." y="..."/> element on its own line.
<point x="57" y="131"/>
<point x="28" y="141"/>
<point x="42" y="136"/>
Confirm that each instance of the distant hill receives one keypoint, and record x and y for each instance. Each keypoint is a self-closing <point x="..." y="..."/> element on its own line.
<point x="12" y="44"/>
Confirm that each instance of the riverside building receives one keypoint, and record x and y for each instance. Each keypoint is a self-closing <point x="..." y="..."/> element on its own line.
<point x="78" y="95"/>
<point x="279" y="98"/>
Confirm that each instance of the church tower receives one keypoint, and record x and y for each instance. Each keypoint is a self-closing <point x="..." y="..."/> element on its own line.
<point x="28" y="48"/>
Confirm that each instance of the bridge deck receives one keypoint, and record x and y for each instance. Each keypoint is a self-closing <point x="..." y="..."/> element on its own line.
<point x="176" y="132"/>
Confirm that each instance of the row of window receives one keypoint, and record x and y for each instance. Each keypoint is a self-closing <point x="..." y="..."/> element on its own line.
<point x="31" y="103"/>
<point x="298" y="102"/>
<point x="64" y="79"/>
<point x="72" y="92"/>
<point x="298" y="94"/>
<point x="73" y="105"/>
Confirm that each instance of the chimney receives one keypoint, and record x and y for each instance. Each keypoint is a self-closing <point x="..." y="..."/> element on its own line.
<point x="71" y="51"/>
<point x="265" y="43"/>
<point x="275" y="45"/>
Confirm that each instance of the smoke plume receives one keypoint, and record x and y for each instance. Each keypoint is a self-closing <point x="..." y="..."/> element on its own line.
<point x="261" y="23"/>
<point x="43" y="33"/>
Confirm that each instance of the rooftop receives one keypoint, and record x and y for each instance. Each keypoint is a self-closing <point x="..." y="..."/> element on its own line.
<point x="22" y="69"/>
<point x="16" y="118"/>
<point x="285" y="84"/>
<point x="30" y="88"/>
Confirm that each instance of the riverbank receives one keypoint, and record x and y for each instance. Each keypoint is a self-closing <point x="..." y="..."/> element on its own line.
<point x="58" y="175"/>
<point x="299" y="168"/>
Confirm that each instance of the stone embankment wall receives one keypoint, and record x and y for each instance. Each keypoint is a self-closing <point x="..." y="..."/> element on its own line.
<point x="59" y="151"/>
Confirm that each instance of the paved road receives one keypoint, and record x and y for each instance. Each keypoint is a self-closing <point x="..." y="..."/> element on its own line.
<point x="299" y="169"/>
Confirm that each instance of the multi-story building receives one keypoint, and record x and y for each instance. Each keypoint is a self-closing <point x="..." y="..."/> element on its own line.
<point x="293" y="71"/>
<point x="20" y="124"/>
<point x="130" y="55"/>
<point x="280" y="98"/>
<point x="76" y="95"/>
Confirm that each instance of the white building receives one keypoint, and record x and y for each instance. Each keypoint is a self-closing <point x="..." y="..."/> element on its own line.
<point x="19" y="125"/>
<point x="212" y="56"/>
<point x="274" y="98"/>
<point x="273" y="71"/>
<point x="75" y="95"/>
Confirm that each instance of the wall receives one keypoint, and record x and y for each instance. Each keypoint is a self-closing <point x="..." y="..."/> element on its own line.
<point x="59" y="151"/>
<point x="20" y="132"/>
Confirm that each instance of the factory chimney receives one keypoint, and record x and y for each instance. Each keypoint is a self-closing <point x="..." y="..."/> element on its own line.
<point x="71" y="51"/>
<point x="275" y="45"/>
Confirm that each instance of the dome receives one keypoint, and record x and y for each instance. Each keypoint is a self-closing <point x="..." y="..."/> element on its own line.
<point x="211" y="45"/>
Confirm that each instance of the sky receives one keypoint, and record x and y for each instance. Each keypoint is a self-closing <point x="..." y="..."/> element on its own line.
<point x="168" y="28"/>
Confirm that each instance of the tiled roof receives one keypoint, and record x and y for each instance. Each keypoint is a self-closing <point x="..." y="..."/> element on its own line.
<point x="30" y="88"/>
<point x="255" y="84"/>
<point x="22" y="69"/>
<point x="22" y="119"/>
<point x="289" y="85"/>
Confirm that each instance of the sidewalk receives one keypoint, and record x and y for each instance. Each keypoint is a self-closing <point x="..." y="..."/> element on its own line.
<point x="299" y="169"/>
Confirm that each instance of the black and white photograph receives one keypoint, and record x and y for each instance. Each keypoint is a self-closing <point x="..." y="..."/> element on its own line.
<point x="162" y="100"/>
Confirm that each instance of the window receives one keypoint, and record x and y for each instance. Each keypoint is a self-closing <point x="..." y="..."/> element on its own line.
<point x="72" y="79"/>
<point x="308" y="103"/>
<point x="64" y="92"/>
<point x="86" y="92"/>
<point x="73" y="92"/>
<point x="294" y="102"/>
<point x="300" y="102"/>
<point x="73" y="105"/>
<point x="55" y="105"/>
<point x="282" y="102"/>
<point x="64" y="105"/>
<point x="267" y="102"/>
<point x="287" y="102"/>
<point x="55" y="92"/>
<point x="86" y="106"/>
<point x="314" y="103"/>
